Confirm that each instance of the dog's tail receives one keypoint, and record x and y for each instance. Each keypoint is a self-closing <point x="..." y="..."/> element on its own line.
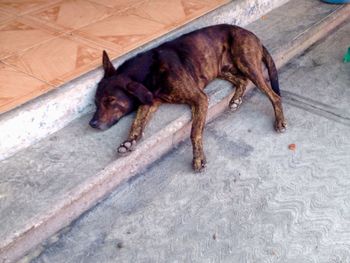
<point x="271" y="68"/>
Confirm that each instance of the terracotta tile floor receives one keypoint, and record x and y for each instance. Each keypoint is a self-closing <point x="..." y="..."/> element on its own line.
<point x="45" y="43"/>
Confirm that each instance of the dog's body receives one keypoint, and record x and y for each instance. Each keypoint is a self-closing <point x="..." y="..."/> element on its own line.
<point x="177" y="72"/>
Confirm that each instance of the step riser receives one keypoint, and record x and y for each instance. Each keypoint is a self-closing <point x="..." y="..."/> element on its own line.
<point x="147" y="152"/>
<point x="53" y="111"/>
<point x="310" y="37"/>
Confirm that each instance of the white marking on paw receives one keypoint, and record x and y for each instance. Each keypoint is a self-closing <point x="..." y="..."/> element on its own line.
<point x="127" y="144"/>
<point x="238" y="101"/>
<point x="122" y="149"/>
<point x="235" y="104"/>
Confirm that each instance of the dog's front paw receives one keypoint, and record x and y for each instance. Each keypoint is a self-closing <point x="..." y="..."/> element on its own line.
<point x="199" y="164"/>
<point x="126" y="147"/>
<point x="235" y="103"/>
<point x="280" y="126"/>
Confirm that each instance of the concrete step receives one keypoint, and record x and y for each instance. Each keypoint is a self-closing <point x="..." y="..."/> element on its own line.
<point x="46" y="186"/>
<point x="55" y="110"/>
<point x="257" y="201"/>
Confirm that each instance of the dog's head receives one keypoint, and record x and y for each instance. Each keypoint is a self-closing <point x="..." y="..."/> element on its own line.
<point x="116" y="96"/>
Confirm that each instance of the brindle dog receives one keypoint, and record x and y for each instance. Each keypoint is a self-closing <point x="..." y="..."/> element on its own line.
<point x="177" y="72"/>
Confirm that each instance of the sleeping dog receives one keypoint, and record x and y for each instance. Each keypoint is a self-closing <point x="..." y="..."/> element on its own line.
<point x="177" y="72"/>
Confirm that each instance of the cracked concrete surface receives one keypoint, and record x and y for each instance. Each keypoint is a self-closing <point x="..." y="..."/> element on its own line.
<point x="258" y="201"/>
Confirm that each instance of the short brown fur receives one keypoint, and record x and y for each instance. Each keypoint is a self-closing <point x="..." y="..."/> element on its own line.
<point x="177" y="72"/>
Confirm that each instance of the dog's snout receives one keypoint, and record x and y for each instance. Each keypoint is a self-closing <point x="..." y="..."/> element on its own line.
<point x="94" y="123"/>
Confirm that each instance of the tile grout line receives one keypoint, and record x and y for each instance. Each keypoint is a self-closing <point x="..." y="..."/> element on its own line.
<point x="115" y="12"/>
<point x="53" y="33"/>
<point x="160" y="32"/>
<point x="75" y="39"/>
<point x="91" y="43"/>
<point x="56" y="33"/>
<point x="20" y="71"/>
<point x="28" y="11"/>
<point x="43" y="83"/>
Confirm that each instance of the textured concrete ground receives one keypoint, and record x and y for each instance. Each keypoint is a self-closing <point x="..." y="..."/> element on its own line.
<point x="258" y="201"/>
<point x="37" y="184"/>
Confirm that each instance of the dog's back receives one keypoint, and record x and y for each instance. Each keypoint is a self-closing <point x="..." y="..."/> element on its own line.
<point x="198" y="53"/>
<point x="203" y="54"/>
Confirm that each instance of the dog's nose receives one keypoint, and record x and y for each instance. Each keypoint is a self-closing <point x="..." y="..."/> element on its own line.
<point x="93" y="123"/>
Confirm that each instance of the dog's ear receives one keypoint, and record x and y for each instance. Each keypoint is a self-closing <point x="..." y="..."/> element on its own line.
<point x="107" y="65"/>
<point x="140" y="92"/>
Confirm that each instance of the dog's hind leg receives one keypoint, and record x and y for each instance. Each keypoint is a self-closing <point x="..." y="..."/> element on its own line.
<point x="199" y="113"/>
<point x="253" y="70"/>
<point x="143" y="115"/>
<point x="240" y="82"/>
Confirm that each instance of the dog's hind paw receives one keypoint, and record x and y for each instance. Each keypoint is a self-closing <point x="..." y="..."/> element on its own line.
<point x="280" y="126"/>
<point x="234" y="104"/>
<point x="199" y="164"/>
<point x="126" y="147"/>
